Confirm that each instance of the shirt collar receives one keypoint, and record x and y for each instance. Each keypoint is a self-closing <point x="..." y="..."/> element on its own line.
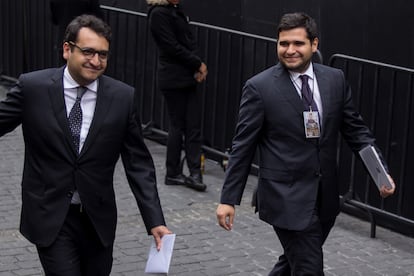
<point x="309" y="72"/>
<point x="69" y="82"/>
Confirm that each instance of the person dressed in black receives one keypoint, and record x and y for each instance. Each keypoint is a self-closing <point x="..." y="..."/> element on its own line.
<point x="179" y="71"/>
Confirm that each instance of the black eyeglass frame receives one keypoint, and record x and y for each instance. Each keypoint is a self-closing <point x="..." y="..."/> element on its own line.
<point x="90" y="53"/>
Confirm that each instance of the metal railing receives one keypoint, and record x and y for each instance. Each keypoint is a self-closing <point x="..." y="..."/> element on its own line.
<point x="232" y="57"/>
<point x="384" y="95"/>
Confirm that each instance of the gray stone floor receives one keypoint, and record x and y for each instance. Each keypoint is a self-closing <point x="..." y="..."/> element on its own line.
<point x="202" y="247"/>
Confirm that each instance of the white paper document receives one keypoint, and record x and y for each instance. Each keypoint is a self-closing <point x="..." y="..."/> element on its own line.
<point x="374" y="166"/>
<point x="159" y="261"/>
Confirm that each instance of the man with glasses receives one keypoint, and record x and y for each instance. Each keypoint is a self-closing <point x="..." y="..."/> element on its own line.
<point x="76" y="123"/>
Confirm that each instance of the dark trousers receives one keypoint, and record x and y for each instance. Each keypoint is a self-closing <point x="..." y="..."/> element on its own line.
<point x="77" y="251"/>
<point x="302" y="249"/>
<point x="184" y="109"/>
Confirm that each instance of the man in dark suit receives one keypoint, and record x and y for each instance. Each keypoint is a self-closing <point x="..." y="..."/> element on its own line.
<point x="295" y="126"/>
<point x="73" y="141"/>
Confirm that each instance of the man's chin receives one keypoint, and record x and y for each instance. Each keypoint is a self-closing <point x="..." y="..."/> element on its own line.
<point x="93" y="75"/>
<point x="295" y="67"/>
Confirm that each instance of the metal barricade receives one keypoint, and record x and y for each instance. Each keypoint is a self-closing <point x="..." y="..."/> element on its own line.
<point x="231" y="56"/>
<point x="383" y="94"/>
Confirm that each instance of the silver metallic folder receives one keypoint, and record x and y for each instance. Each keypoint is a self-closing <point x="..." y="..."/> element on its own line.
<point x="374" y="166"/>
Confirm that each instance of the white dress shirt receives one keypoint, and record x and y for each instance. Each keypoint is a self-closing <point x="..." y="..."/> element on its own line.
<point x="88" y="104"/>
<point x="313" y="84"/>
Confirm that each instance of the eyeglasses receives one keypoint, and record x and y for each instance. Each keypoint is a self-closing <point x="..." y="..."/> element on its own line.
<point x="90" y="53"/>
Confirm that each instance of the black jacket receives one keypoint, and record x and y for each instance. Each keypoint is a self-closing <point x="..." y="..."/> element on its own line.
<point x="52" y="169"/>
<point x="178" y="60"/>
<point x="293" y="170"/>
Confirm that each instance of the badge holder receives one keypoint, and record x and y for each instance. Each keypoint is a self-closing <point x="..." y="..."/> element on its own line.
<point x="312" y="126"/>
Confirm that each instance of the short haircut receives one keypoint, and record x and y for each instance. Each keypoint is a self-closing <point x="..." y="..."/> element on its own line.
<point x="298" y="20"/>
<point x="87" y="21"/>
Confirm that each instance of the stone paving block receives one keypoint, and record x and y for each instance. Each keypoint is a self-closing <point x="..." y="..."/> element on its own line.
<point x="126" y="267"/>
<point x="7" y="267"/>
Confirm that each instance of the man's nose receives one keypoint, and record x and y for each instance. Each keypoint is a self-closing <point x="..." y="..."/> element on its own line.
<point x="291" y="49"/>
<point x="95" y="59"/>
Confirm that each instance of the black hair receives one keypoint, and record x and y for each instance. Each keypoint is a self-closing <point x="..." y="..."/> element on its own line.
<point x="87" y="21"/>
<point x="298" y="20"/>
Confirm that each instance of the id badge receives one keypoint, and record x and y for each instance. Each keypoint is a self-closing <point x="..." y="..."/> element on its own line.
<point x="312" y="126"/>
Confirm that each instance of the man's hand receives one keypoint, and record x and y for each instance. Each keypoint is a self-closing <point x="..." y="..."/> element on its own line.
<point x="202" y="72"/>
<point x="225" y="216"/>
<point x="158" y="232"/>
<point x="384" y="191"/>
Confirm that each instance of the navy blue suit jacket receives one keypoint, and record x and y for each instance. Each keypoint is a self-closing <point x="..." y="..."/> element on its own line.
<point x="292" y="168"/>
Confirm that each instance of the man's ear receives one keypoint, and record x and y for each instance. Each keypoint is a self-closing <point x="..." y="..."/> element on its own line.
<point x="66" y="50"/>
<point x="315" y="44"/>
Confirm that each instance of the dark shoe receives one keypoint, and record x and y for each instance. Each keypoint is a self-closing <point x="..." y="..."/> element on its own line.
<point x="176" y="180"/>
<point x="195" y="182"/>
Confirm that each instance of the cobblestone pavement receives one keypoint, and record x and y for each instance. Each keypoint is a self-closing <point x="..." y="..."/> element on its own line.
<point x="202" y="247"/>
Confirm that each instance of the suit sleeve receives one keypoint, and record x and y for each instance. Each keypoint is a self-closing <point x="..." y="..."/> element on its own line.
<point x="249" y="126"/>
<point x="11" y="109"/>
<point x="140" y="172"/>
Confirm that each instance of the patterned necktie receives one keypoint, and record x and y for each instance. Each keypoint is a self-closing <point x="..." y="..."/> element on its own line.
<point x="307" y="96"/>
<point x="75" y="117"/>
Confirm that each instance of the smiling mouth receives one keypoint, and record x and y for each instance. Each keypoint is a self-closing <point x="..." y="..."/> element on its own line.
<point x="291" y="58"/>
<point x="93" y="69"/>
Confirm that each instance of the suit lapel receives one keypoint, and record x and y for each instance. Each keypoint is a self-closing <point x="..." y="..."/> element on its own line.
<point x="103" y="102"/>
<point x="323" y="84"/>
<point x="287" y="88"/>
<point x="57" y="99"/>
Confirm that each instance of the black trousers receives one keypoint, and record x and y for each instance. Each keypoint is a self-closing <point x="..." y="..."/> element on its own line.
<point x="77" y="251"/>
<point x="303" y="253"/>
<point x="184" y="110"/>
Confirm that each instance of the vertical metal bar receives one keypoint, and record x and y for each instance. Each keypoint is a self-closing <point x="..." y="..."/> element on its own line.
<point x="115" y="61"/>
<point x="375" y="98"/>
<point x="215" y="84"/>
<point x="226" y="91"/>
<point x="389" y="126"/>
<point x="407" y="126"/>
<point x="25" y="38"/>
<point x="204" y="43"/>
<point x="144" y="63"/>
<point x="125" y="52"/>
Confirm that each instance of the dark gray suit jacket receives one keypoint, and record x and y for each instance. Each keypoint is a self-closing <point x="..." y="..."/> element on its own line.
<point x="292" y="167"/>
<point x="52" y="169"/>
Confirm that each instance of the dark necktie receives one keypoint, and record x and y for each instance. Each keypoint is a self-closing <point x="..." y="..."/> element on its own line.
<point x="75" y="117"/>
<point x="307" y="96"/>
